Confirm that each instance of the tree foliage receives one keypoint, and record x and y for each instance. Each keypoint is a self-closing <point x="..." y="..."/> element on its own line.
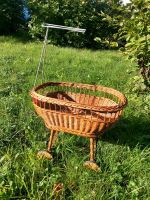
<point x="11" y="16"/>
<point x="134" y="28"/>
<point x="77" y="13"/>
<point x="137" y="33"/>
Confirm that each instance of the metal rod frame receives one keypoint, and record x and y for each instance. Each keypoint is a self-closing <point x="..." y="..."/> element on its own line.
<point x="64" y="28"/>
<point x="54" y="26"/>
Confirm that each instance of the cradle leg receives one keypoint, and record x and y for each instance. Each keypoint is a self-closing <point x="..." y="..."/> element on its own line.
<point x="93" y="144"/>
<point x="52" y="140"/>
<point x="91" y="164"/>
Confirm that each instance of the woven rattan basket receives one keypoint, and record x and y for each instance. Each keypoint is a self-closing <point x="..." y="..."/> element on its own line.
<point x="80" y="109"/>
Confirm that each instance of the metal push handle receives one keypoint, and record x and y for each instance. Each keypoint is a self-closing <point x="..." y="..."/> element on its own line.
<point x="79" y="30"/>
<point x="54" y="26"/>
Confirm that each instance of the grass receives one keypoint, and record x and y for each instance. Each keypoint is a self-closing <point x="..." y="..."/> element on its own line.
<point x="123" y="151"/>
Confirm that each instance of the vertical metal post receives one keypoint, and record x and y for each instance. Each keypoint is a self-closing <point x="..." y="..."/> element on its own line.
<point x="41" y="61"/>
<point x="42" y="57"/>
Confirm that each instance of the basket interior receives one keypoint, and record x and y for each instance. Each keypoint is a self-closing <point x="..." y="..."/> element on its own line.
<point x="90" y="102"/>
<point x="81" y="96"/>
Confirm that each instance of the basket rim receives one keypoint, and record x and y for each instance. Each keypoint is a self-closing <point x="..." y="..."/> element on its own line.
<point x="92" y="87"/>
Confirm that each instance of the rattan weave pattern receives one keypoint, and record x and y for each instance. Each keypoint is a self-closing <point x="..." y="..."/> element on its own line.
<point x="80" y="109"/>
<point x="79" y="113"/>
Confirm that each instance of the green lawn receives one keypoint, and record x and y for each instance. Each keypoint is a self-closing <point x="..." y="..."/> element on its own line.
<point x="123" y="151"/>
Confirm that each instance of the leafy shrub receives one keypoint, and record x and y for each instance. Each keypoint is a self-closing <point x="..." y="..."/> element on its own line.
<point x="135" y="30"/>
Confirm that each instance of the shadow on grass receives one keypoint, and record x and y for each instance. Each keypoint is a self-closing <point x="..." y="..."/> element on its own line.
<point x="129" y="131"/>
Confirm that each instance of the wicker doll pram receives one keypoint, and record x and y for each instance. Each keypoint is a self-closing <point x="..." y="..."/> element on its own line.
<point x="81" y="109"/>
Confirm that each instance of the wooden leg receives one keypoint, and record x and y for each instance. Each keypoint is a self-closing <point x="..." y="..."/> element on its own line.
<point x="93" y="144"/>
<point x="52" y="139"/>
<point x="91" y="164"/>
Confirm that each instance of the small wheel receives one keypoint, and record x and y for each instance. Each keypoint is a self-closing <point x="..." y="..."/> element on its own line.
<point x="44" y="154"/>
<point x="92" y="165"/>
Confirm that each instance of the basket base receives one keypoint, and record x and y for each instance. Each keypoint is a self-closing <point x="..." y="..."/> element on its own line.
<point x="44" y="155"/>
<point x="92" y="165"/>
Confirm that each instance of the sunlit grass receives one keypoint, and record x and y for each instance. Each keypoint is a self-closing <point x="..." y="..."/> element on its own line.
<point x="123" y="152"/>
